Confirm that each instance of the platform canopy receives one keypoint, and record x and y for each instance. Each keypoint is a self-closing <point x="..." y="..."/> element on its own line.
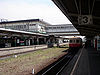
<point x="84" y="15"/>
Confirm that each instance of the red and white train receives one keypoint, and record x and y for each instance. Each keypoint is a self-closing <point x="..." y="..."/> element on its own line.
<point x="75" y="42"/>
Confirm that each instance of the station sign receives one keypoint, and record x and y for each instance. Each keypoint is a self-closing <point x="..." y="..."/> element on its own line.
<point x="85" y="19"/>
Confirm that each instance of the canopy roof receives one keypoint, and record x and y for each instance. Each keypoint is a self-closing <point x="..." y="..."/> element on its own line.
<point x="74" y="9"/>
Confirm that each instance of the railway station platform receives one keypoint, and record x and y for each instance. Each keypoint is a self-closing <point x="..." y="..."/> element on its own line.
<point x="23" y="49"/>
<point x="85" y="62"/>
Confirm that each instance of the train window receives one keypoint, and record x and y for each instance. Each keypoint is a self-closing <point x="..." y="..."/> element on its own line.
<point x="73" y="41"/>
<point x="77" y="41"/>
<point x="70" y="41"/>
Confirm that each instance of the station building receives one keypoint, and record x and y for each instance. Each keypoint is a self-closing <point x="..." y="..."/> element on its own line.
<point x="19" y="37"/>
<point x="61" y="30"/>
<point x="11" y="38"/>
<point x="31" y="25"/>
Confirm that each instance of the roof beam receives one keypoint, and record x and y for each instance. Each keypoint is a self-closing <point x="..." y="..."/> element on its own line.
<point x="89" y="29"/>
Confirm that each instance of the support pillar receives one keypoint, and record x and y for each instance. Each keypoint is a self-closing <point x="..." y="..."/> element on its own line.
<point x="29" y="42"/>
<point x="33" y="41"/>
<point x="15" y="40"/>
<point x="37" y="41"/>
<point x="44" y="40"/>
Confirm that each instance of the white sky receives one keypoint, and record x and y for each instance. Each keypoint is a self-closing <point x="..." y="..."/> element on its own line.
<point x="32" y="9"/>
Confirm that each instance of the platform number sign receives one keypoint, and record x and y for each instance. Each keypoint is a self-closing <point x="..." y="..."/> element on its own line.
<point x="85" y="19"/>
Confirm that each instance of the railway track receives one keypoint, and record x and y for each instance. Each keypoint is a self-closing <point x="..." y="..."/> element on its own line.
<point x="58" y="66"/>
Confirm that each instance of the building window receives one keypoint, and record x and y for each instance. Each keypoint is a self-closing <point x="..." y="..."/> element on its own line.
<point x="32" y="24"/>
<point x="24" y="26"/>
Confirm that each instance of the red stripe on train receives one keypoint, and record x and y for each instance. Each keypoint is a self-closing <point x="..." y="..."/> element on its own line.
<point x="74" y="45"/>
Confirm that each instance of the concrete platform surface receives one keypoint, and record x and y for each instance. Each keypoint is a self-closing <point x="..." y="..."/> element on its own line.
<point x="87" y="63"/>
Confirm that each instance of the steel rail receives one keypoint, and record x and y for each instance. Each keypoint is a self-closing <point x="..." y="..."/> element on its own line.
<point x="68" y="56"/>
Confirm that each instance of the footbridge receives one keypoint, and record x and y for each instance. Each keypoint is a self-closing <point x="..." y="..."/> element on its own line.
<point x="62" y="30"/>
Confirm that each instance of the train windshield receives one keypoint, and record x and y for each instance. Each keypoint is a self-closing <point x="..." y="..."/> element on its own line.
<point x="77" y="41"/>
<point x="70" y="41"/>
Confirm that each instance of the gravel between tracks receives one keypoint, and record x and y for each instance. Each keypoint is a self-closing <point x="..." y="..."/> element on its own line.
<point x="23" y="64"/>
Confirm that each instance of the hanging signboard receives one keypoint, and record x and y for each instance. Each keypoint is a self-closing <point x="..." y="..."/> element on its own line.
<point x="85" y="19"/>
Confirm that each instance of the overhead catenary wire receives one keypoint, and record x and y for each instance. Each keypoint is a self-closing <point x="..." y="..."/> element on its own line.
<point x="92" y="7"/>
<point x="80" y="7"/>
<point x="89" y="7"/>
<point x="76" y="6"/>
